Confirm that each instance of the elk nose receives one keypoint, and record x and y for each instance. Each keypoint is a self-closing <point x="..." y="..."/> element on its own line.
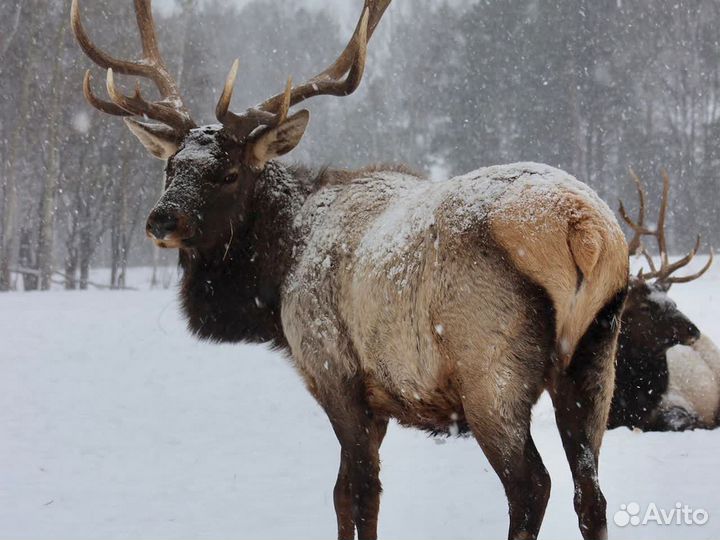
<point x="161" y="223"/>
<point x="694" y="332"/>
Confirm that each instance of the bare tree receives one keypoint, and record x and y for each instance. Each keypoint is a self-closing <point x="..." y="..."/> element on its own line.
<point x="49" y="192"/>
<point x="8" y="39"/>
<point x="18" y="139"/>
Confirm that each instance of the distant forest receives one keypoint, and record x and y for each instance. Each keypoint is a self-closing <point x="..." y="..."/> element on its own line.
<point x="592" y="86"/>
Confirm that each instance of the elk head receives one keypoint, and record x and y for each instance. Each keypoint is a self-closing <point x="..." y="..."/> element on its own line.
<point x="212" y="170"/>
<point x="651" y="319"/>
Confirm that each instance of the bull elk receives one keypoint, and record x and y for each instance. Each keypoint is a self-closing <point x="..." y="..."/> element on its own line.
<point x="668" y="373"/>
<point x="448" y="306"/>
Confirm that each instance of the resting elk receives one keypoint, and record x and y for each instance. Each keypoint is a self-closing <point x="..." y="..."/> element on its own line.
<point x="447" y="306"/>
<point x="668" y="373"/>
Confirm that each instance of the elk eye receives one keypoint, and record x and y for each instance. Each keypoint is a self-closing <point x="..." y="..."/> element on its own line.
<point x="230" y="178"/>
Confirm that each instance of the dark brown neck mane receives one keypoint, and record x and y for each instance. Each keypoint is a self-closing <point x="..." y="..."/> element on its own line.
<point x="233" y="294"/>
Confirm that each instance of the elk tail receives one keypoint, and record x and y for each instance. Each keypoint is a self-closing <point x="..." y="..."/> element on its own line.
<point x="599" y="251"/>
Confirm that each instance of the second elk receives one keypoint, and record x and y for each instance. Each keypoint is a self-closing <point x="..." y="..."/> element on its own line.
<point x="668" y="372"/>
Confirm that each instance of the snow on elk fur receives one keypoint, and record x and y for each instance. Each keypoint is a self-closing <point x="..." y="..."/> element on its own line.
<point x="449" y="306"/>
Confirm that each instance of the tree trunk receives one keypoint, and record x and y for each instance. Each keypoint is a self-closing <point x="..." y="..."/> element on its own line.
<point x="114" y="246"/>
<point x="8" y="39"/>
<point x="124" y="233"/>
<point x="9" y="210"/>
<point x="25" y="260"/>
<point x="85" y="240"/>
<point x="47" y="204"/>
<point x="119" y="225"/>
<point x="85" y="256"/>
<point x="9" y="203"/>
<point x="71" y="265"/>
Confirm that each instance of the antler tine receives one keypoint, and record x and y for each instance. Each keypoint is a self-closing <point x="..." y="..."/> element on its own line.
<point x="242" y="125"/>
<point x="651" y="264"/>
<point x="285" y="105"/>
<point x="666" y="279"/>
<point x="660" y="228"/>
<point x="146" y="24"/>
<point x="223" y="105"/>
<point x="170" y="110"/>
<point x="329" y="82"/>
<point x="100" y="57"/>
<point x="350" y="64"/>
<point x="685" y="279"/>
<point x="101" y="105"/>
<point x="136" y="105"/>
<point x="375" y="9"/>
<point x="668" y="269"/>
<point x="637" y="226"/>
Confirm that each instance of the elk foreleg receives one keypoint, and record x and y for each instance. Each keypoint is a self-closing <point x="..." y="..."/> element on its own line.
<point x="357" y="490"/>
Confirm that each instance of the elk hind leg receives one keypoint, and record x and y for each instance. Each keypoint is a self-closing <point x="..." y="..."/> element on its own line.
<point x="581" y="396"/>
<point x="500" y="421"/>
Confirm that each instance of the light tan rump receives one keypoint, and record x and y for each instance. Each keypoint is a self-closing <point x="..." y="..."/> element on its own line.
<point x="563" y="237"/>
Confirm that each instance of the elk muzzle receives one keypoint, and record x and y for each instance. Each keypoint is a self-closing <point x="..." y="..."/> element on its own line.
<point x="168" y="228"/>
<point x="693" y="333"/>
<point x="684" y="332"/>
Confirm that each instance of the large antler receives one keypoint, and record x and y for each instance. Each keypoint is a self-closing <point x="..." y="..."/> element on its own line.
<point x="169" y="110"/>
<point x="662" y="275"/>
<point x="329" y="82"/>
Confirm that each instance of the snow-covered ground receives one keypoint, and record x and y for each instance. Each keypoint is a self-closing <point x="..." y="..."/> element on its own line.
<point x="114" y="423"/>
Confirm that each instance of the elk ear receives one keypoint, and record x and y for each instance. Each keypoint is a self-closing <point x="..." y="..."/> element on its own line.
<point x="276" y="141"/>
<point x="160" y="140"/>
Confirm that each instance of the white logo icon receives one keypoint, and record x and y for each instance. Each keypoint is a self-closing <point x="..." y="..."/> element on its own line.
<point x="628" y="514"/>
